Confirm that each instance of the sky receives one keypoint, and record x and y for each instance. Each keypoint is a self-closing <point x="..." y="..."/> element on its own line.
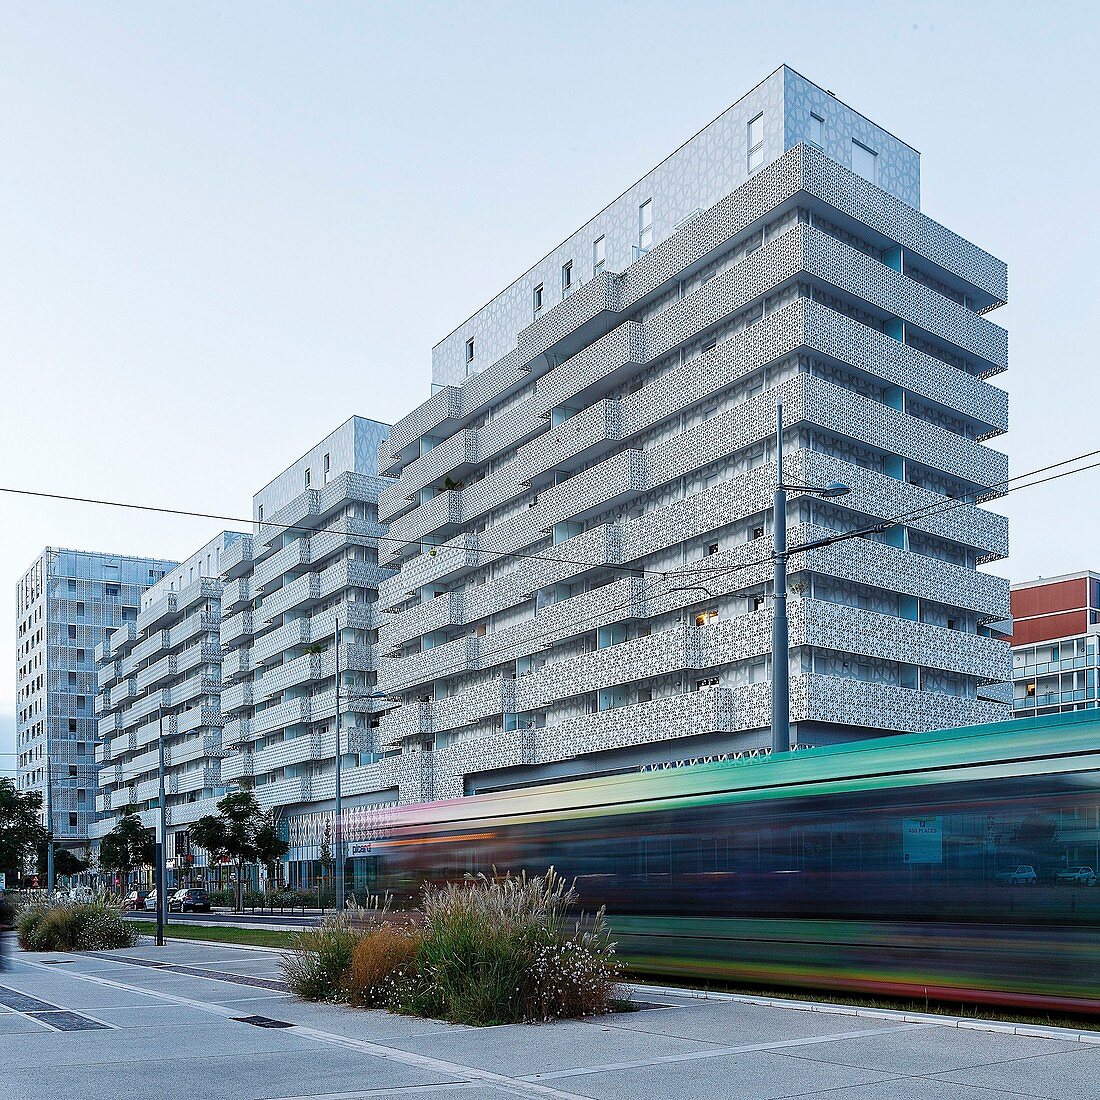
<point x="224" y="228"/>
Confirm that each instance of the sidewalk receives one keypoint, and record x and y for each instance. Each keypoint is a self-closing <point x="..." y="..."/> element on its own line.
<point x="193" y="1021"/>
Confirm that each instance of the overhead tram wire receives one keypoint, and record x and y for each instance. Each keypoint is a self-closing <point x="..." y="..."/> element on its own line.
<point x="524" y="555"/>
<point x="667" y="575"/>
<point x="929" y="511"/>
<point x="189" y="514"/>
<point x="532" y="642"/>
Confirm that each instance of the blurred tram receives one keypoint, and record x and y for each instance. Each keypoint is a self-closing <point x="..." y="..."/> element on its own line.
<point x="896" y="866"/>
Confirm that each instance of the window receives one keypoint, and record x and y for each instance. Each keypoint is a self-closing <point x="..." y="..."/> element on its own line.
<point x="260" y="513"/>
<point x="705" y="618"/>
<point x="758" y="532"/>
<point x="713" y="548"/>
<point x="567" y="276"/>
<point x="80" y="608"/>
<point x="864" y="162"/>
<point x="72" y="633"/>
<point x="817" y="131"/>
<point x="536" y="300"/>
<point x="308" y="477"/>
<point x="645" y="226"/>
<point x="470" y="350"/>
<point x="757" y="601"/>
<point x="328" y="467"/>
<point x="708" y="682"/>
<point x="72" y="725"/>
<point x="756" y="143"/>
<point x="72" y="586"/>
<point x="599" y="255"/>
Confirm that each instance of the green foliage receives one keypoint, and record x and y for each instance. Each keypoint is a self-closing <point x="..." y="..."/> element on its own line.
<point x="67" y="863"/>
<point x="505" y="950"/>
<point x="21" y="829"/>
<point x="240" y="831"/>
<point x="488" y="951"/>
<point x="320" y="958"/>
<point x="128" y="846"/>
<point x="83" y="926"/>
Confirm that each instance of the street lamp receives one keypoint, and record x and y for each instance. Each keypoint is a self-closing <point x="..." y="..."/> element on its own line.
<point x="781" y="697"/>
<point x="162" y="842"/>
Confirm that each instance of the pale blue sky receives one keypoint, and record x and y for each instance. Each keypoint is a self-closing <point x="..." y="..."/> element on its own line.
<point x="226" y="227"/>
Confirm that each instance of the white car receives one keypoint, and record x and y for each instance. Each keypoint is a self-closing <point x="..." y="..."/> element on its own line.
<point x="1024" y="875"/>
<point x="1077" y="876"/>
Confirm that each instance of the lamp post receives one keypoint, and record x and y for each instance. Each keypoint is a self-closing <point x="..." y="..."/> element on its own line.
<point x="339" y="831"/>
<point x="781" y="690"/>
<point x="162" y="842"/>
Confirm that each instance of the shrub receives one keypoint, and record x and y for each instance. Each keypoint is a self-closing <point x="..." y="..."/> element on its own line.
<point x="317" y="967"/>
<point x="377" y="957"/>
<point x="80" y="926"/>
<point x="503" y="950"/>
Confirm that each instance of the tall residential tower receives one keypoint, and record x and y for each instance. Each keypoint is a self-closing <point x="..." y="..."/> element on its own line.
<point x="66" y="603"/>
<point x="580" y="525"/>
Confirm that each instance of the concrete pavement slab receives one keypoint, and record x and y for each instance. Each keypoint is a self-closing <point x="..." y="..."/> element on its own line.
<point x="521" y="1050"/>
<point x="733" y="1024"/>
<point x="1073" y="1075"/>
<point x="932" y="1049"/>
<point x="758" y="1075"/>
<point x="259" y="1078"/>
<point x="909" y="1088"/>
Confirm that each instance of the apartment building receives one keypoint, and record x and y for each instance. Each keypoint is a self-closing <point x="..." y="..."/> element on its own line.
<point x="66" y="603"/>
<point x="580" y="526"/>
<point x="159" y="679"/>
<point x="307" y="576"/>
<point x="1055" y="635"/>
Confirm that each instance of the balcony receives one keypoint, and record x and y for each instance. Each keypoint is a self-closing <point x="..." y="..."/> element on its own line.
<point x="293" y="712"/>
<point x="300" y="593"/>
<point x="196" y="717"/>
<point x="236" y="731"/>
<point x="106" y="674"/>
<point x="236" y="697"/>
<point x="236" y="559"/>
<point x="294" y="750"/>
<point x="237" y="766"/>
<point x="158" y="613"/>
<point x="275" y="642"/>
<point x="236" y="663"/>
<point x="157" y="674"/>
<point x="236" y="595"/>
<point x="295" y="555"/>
<point x="237" y="630"/>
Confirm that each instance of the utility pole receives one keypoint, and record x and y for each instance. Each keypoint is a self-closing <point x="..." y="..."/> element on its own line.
<point x="339" y="830"/>
<point x="162" y="841"/>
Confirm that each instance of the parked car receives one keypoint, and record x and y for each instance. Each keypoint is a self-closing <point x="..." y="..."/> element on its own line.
<point x="151" y="900"/>
<point x="1024" y="875"/>
<point x="135" y="899"/>
<point x="189" y="899"/>
<point x="1077" y="876"/>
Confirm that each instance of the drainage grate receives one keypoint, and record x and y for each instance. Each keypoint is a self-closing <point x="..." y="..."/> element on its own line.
<point x="63" y="1020"/>
<point x="261" y="1021"/>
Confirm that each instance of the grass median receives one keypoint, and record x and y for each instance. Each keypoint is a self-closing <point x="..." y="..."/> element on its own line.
<point x="251" y="937"/>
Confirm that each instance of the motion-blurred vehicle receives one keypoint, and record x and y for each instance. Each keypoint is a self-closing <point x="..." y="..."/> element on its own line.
<point x="1077" y="876"/>
<point x="189" y="900"/>
<point x="1024" y="875"/>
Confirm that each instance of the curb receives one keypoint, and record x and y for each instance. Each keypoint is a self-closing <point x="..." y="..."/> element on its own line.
<point x="1038" y="1031"/>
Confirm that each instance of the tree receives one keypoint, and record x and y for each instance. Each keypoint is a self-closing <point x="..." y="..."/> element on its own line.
<point x="241" y="832"/>
<point x="127" y="846"/>
<point x="21" y="828"/>
<point x="64" y="862"/>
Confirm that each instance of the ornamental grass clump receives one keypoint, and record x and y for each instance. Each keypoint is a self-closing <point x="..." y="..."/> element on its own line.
<point x="74" y="926"/>
<point x="506" y="950"/>
<point x="378" y="958"/>
<point x="317" y="966"/>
